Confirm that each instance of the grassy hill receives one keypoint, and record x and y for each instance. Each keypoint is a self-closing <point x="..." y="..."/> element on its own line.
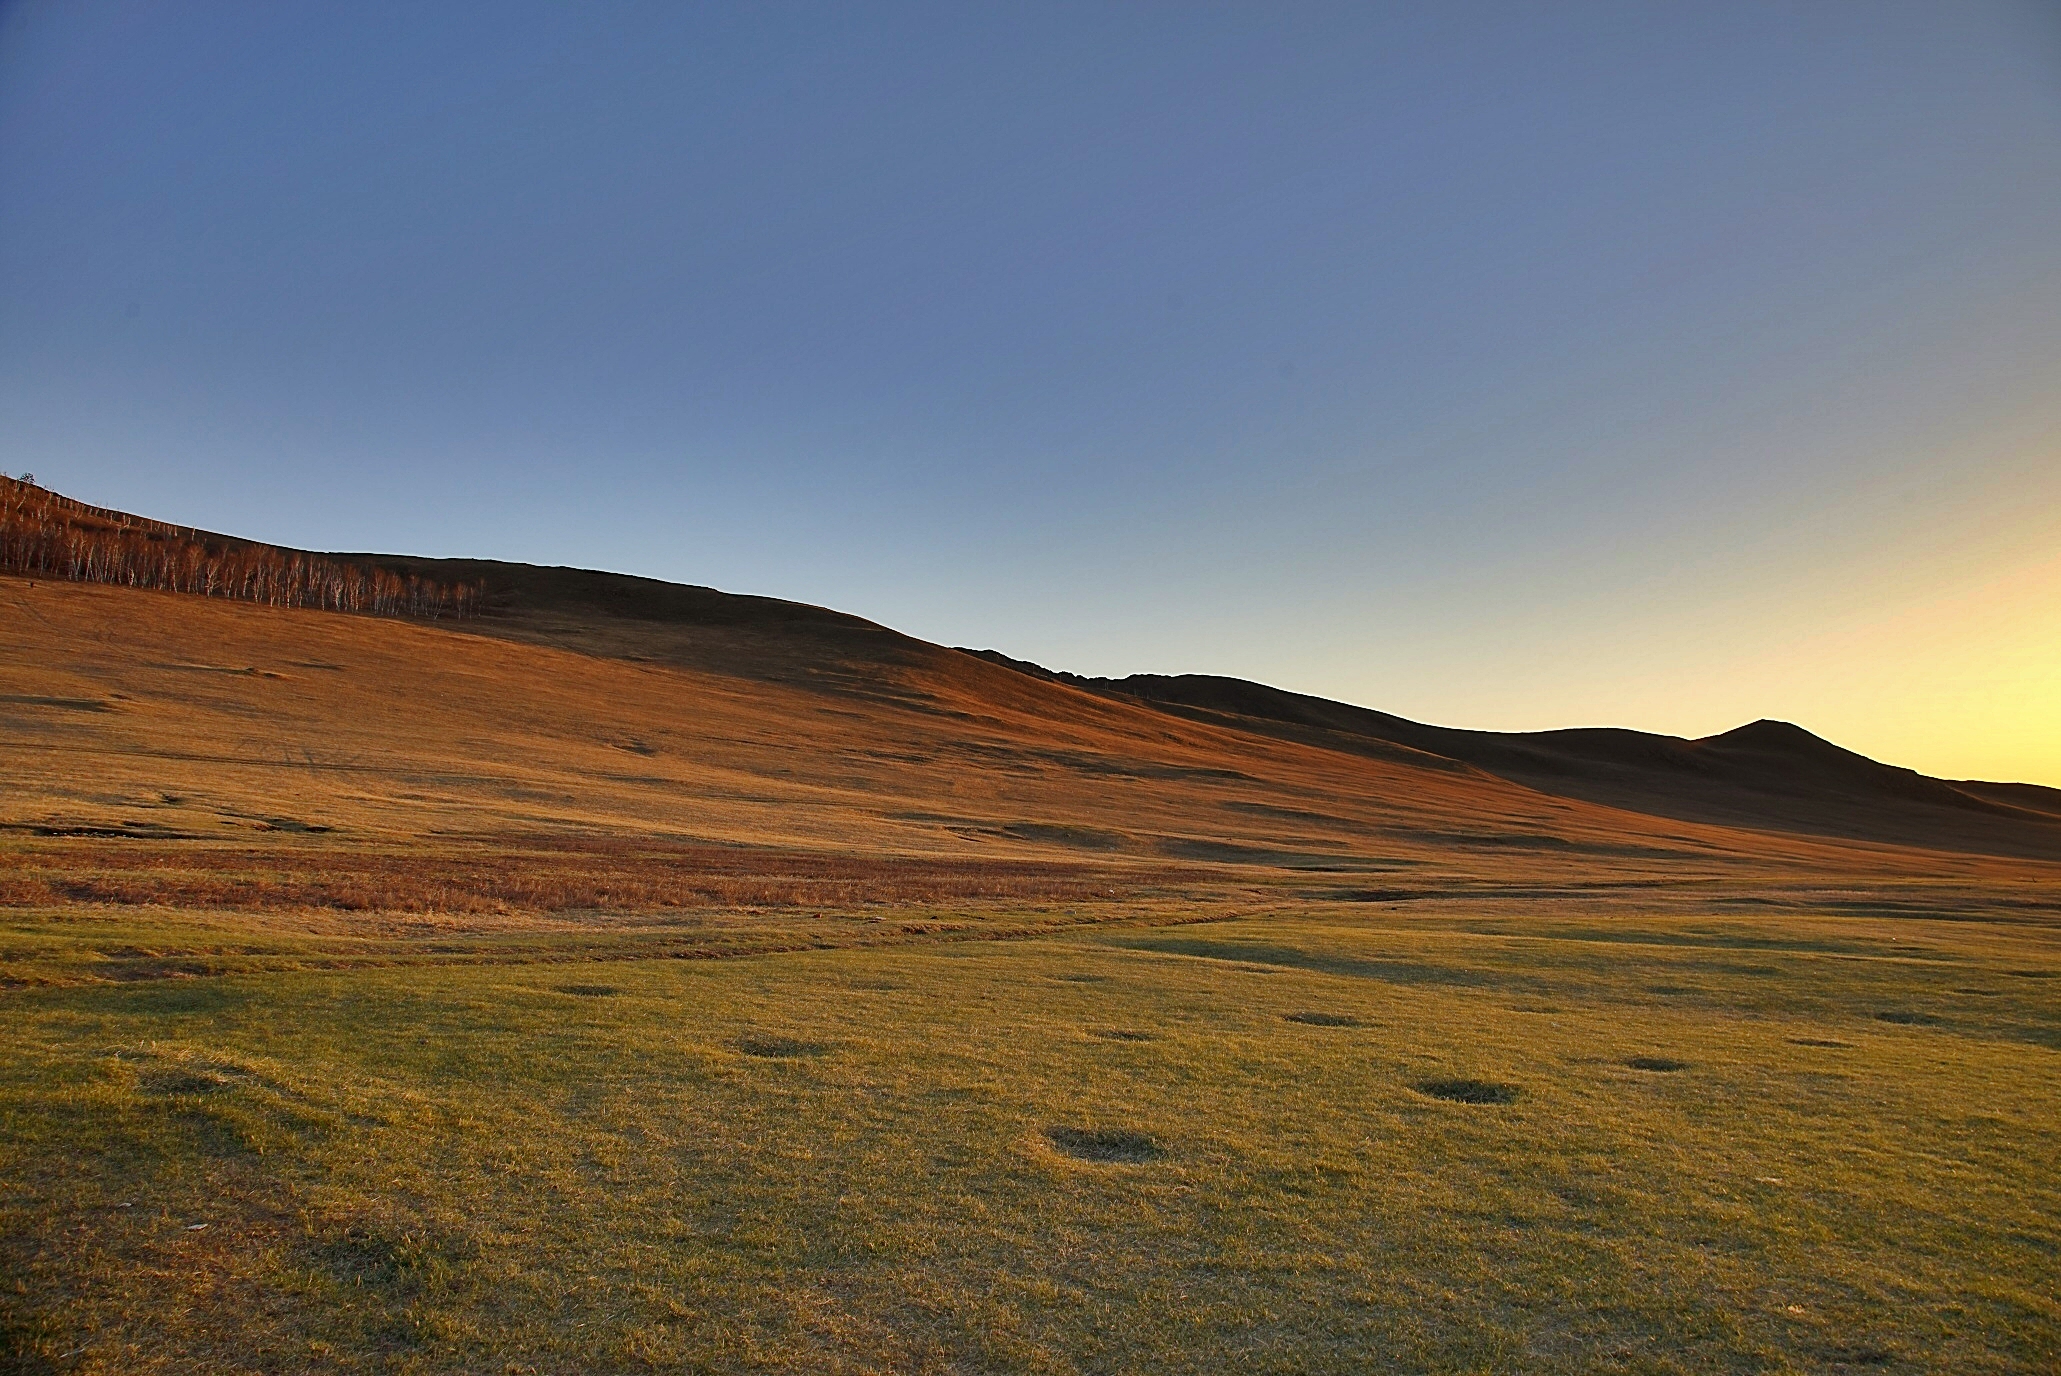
<point x="631" y="977"/>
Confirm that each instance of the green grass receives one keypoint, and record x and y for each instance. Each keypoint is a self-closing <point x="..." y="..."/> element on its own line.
<point x="1120" y="1149"/>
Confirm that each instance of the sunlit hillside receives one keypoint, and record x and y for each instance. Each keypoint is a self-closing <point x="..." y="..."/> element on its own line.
<point x="633" y="977"/>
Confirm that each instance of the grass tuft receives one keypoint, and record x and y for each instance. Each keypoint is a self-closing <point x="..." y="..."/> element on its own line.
<point x="1105" y="1144"/>
<point x="1468" y="1091"/>
<point x="778" y="1048"/>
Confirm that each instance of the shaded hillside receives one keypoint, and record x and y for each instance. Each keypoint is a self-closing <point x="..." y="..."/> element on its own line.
<point x="1765" y="774"/>
<point x="644" y="620"/>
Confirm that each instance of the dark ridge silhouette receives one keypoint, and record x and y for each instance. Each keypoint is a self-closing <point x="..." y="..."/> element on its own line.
<point x="1767" y="774"/>
<point x="2030" y="797"/>
<point x="505" y="588"/>
<point x="621" y="616"/>
<point x="46" y="535"/>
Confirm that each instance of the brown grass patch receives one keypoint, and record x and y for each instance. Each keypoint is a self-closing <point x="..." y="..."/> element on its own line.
<point x="1105" y="1145"/>
<point x="1468" y="1091"/>
<point x="778" y="1048"/>
<point x="522" y="876"/>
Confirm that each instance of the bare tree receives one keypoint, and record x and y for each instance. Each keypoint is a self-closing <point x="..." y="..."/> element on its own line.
<point x="43" y="533"/>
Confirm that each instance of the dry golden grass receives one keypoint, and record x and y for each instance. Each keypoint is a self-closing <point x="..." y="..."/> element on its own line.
<point x="938" y="1159"/>
<point x="140" y="714"/>
<point x="362" y="985"/>
<point x="524" y="875"/>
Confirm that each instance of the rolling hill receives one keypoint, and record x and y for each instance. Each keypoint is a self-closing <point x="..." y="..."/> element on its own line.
<point x="1769" y="774"/>
<point x="590" y="705"/>
<point x="623" y="976"/>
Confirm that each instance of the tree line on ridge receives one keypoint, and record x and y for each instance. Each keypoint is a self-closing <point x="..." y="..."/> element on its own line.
<point x="45" y="535"/>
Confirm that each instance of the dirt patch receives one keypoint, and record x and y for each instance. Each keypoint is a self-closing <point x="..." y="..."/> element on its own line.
<point x="1817" y="1041"/>
<point x="588" y="991"/>
<point x="778" y="1048"/>
<point x="1905" y="1018"/>
<point x="1661" y="1065"/>
<point x="1315" y="1019"/>
<point x="1468" y="1091"/>
<point x="1105" y="1144"/>
<point x="1082" y="979"/>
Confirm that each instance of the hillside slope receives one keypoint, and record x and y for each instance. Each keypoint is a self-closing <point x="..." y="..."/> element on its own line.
<point x="1767" y="774"/>
<point x="599" y="704"/>
<point x="196" y="716"/>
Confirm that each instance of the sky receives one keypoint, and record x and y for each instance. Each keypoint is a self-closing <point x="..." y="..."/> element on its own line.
<point x="1514" y="366"/>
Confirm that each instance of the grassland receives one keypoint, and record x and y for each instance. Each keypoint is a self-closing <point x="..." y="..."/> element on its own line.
<point x="670" y="982"/>
<point x="1806" y="1142"/>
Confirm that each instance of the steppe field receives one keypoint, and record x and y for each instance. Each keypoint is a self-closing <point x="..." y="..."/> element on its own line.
<point x="642" y="979"/>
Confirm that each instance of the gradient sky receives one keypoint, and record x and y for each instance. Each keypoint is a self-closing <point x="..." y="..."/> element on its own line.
<point x="1510" y="365"/>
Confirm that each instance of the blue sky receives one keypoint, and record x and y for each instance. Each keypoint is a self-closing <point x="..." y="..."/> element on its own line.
<point x="1502" y="365"/>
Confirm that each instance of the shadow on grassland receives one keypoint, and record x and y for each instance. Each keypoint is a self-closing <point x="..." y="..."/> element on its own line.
<point x="1294" y="958"/>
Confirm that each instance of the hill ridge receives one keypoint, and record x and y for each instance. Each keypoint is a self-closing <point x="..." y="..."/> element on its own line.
<point x="1765" y="770"/>
<point x="1013" y="715"/>
<point x="43" y="533"/>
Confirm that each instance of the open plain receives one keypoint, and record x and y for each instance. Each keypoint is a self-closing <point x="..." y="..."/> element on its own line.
<point x="639" y="978"/>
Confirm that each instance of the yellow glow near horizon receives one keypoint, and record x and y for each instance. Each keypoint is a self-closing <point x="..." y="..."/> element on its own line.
<point x="1966" y="684"/>
<point x="1962" y="681"/>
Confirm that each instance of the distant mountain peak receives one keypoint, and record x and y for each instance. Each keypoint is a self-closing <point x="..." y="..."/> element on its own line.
<point x="1770" y="734"/>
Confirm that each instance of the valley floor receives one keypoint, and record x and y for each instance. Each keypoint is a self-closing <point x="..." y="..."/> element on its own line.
<point x="1228" y="1131"/>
